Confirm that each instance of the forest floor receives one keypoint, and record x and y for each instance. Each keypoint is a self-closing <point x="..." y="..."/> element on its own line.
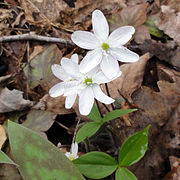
<point x="152" y="85"/>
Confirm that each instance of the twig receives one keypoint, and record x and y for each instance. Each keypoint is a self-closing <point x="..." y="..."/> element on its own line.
<point x="35" y="37"/>
<point x="63" y="126"/>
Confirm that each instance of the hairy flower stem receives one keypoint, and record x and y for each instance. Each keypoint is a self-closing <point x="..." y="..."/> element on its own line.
<point x="75" y="131"/>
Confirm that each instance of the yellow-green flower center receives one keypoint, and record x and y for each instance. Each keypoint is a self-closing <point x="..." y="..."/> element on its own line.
<point x="105" y="46"/>
<point x="88" y="81"/>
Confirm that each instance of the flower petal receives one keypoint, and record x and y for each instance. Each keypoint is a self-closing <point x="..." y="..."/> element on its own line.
<point x="124" y="55"/>
<point x="70" y="101"/>
<point x="100" y="96"/>
<point x="57" y="90"/>
<point x="91" y="60"/>
<point x="120" y="36"/>
<point x="109" y="66"/>
<point x="71" y="87"/>
<point x="74" y="149"/>
<point x="100" y="78"/>
<point x="59" y="72"/>
<point x="70" y="67"/>
<point x="75" y="58"/>
<point x="100" y="25"/>
<point x="85" y="40"/>
<point x="86" y="101"/>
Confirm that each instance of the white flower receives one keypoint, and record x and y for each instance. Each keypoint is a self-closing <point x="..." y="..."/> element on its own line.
<point x="73" y="154"/>
<point x="85" y="85"/>
<point x="105" y="49"/>
<point x="59" y="88"/>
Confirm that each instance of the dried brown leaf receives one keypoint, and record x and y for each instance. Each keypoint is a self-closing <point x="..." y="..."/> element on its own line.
<point x="142" y="33"/>
<point x="131" y="15"/>
<point x="13" y="100"/>
<point x="3" y="136"/>
<point x="169" y="21"/>
<point x="131" y="78"/>
<point x="134" y="15"/>
<point x="56" y="105"/>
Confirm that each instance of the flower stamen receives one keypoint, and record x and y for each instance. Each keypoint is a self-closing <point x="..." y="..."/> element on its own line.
<point x="105" y="46"/>
<point x="88" y="81"/>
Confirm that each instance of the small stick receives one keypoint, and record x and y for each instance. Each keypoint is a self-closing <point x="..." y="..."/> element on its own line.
<point x="35" y="37"/>
<point x="63" y="126"/>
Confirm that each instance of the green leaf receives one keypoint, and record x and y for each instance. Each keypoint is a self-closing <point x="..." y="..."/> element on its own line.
<point x="152" y="26"/>
<point x="87" y="131"/>
<point x="94" y="114"/>
<point x="5" y="159"/>
<point x="38" y="70"/>
<point x="134" y="148"/>
<point x="117" y="113"/>
<point x="124" y="174"/>
<point x="38" y="159"/>
<point x="96" y="165"/>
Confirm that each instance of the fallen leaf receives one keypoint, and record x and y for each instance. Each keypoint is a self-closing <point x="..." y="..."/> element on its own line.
<point x="38" y="70"/>
<point x="174" y="174"/>
<point x="3" y="136"/>
<point x="55" y="105"/>
<point x="162" y="51"/>
<point x="131" y="78"/>
<point x="142" y="33"/>
<point x="13" y="100"/>
<point x="39" y="121"/>
<point x="169" y="21"/>
<point x="131" y="15"/>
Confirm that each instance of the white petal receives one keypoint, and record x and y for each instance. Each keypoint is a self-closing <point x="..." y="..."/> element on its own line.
<point x="70" y="101"/>
<point x="70" y="67"/>
<point x="85" y="40"/>
<point x="59" y="72"/>
<point x="100" y="78"/>
<point x="100" y="25"/>
<point x="75" y="58"/>
<point x="57" y="90"/>
<point x="109" y="66"/>
<point x="100" y="96"/>
<point x="86" y="101"/>
<point x="124" y="55"/>
<point x="91" y="60"/>
<point x="93" y="71"/>
<point x="120" y="36"/>
<point x="71" y="87"/>
<point x="74" y="148"/>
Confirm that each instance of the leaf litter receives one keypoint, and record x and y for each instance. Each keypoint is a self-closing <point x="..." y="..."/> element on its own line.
<point x="151" y="85"/>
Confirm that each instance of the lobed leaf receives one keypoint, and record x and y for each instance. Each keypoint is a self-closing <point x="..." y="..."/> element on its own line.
<point x="134" y="148"/>
<point x="96" y="165"/>
<point x="87" y="130"/>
